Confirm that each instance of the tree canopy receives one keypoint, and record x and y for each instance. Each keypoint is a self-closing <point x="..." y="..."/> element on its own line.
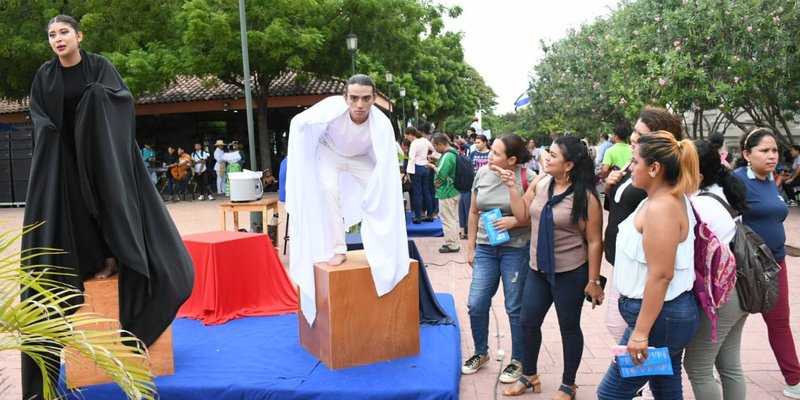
<point x="152" y="42"/>
<point x="718" y="63"/>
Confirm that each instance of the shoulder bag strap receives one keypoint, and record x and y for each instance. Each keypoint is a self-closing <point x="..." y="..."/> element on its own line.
<point x="724" y="203"/>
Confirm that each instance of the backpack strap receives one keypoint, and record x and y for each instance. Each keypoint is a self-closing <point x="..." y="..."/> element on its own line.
<point x="724" y="203"/>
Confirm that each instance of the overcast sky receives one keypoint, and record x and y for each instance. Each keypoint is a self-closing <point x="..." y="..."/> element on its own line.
<point x="501" y="37"/>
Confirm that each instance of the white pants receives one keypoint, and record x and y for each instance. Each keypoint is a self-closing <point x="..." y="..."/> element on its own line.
<point x="221" y="183"/>
<point x="330" y="166"/>
<point x="448" y="213"/>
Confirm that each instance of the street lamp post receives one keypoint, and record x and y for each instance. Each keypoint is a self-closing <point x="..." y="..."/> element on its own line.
<point x="416" y="112"/>
<point x="352" y="46"/>
<point x="391" y="114"/>
<point x="403" y="96"/>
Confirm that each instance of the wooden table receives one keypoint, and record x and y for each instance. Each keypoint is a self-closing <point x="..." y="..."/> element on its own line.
<point x="262" y="205"/>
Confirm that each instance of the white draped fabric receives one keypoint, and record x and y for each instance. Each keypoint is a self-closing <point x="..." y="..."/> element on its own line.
<point x="379" y="205"/>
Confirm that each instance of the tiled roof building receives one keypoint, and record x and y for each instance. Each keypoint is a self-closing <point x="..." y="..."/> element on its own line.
<point x="194" y="94"/>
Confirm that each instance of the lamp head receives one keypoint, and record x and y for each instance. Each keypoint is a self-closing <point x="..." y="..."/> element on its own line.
<point x="352" y="41"/>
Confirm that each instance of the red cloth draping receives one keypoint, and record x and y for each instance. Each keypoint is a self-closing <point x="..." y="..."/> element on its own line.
<point x="236" y="274"/>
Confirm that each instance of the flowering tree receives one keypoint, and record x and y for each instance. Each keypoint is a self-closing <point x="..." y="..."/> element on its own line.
<point x="718" y="63"/>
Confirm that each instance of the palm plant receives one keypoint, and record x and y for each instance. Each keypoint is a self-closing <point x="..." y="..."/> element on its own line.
<point x="45" y="322"/>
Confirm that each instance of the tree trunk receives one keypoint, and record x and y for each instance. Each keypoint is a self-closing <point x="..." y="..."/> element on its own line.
<point x="264" y="144"/>
<point x="786" y="129"/>
<point x="700" y="121"/>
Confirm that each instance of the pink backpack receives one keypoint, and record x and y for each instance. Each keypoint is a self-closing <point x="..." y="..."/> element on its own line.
<point x="715" y="271"/>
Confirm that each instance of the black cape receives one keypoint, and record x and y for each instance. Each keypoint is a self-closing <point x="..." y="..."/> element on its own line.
<point x="98" y="197"/>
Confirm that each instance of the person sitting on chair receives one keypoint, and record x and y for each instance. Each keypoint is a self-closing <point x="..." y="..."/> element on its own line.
<point x="170" y="163"/>
<point x="182" y="172"/>
<point x="270" y="183"/>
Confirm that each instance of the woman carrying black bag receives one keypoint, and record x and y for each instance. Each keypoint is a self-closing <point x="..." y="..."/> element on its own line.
<point x="765" y="216"/>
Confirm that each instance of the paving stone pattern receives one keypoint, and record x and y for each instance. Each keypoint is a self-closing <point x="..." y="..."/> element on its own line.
<point x="450" y="273"/>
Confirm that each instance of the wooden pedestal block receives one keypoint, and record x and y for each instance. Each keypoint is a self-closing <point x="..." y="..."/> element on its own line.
<point x="354" y="326"/>
<point x="101" y="296"/>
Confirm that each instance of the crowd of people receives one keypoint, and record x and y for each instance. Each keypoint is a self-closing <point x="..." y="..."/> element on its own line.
<point x="553" y="214"/>
<point x="199" y="173"/>
<point x="550" y="212"/>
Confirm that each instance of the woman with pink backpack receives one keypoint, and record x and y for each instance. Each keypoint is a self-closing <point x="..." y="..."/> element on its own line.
<point x="703" y="353"/>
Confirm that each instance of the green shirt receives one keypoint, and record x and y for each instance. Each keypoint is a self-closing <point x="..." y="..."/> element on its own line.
<point x="617" y="155"/>
<point x="443" y="179"/>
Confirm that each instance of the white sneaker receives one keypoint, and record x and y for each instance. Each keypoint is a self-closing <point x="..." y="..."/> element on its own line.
<point x="210" y="197"/>
<point x="512" y="372"/>
<point x="201" y="197"/>
<point x="474" y="363"/>
<point x="792" y="392"/>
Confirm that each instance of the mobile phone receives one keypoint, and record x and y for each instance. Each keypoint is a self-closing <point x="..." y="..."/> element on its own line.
<point x="603" y="281"/>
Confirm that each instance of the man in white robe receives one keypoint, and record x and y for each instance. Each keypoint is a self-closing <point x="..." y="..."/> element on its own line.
<point x="342" y="169"/>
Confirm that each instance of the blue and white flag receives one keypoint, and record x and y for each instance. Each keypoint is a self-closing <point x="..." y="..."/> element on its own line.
<point x="522" y="101"/>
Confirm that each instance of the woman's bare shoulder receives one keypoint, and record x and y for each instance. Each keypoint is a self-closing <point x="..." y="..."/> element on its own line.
<point x="662" y="209"/>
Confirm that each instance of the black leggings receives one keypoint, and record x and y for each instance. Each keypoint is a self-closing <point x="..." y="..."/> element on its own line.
<point x="568" y="297"/>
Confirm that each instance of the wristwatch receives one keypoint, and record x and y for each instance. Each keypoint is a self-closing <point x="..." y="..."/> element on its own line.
<point x="597" y="282"/>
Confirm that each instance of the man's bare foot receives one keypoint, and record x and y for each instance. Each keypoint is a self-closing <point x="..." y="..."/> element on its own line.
<point x="109" y="268"/>
<point x="337" y="259"/>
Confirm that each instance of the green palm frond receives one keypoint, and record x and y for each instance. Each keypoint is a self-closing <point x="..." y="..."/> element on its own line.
<point x="45" y="322"/>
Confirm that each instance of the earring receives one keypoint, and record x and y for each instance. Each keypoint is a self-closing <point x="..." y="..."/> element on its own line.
<point x="749" y="172"/>
<point x="652" y="173"/>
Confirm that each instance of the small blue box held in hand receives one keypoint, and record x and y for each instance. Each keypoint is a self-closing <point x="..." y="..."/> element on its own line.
<point x="658" y="363"/>
<point x="495" y="237"/>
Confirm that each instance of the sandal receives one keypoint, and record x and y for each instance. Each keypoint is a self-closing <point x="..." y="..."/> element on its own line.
<point x="568" y="390"/>
<point x="535" y="385"/>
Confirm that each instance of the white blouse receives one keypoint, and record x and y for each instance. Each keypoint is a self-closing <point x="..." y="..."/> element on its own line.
<point x="418" y="154"/>
<point x="630" y="266"/>
<point x="714" y="214"/>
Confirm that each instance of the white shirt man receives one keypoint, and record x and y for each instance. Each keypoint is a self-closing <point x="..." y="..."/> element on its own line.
<point x="218" y="153"/>
<point x="342" y="169"/>
<point x="200" y="157"/>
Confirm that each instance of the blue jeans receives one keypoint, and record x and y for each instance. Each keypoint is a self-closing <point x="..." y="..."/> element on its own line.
<point x="493" y="263"/>
<point x="432" y="188"/>
<point x="421" y="199"/>
<point x="674" y="328"/>
<point x="175" y="186"/>
<point x="463" y="209"/>
<point x="568" y="295"/>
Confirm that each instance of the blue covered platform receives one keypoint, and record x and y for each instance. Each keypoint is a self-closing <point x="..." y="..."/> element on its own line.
<point x="423" y="229"/>
<point x="261" y="358"/>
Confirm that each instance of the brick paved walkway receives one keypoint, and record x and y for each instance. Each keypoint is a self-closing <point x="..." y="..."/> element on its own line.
<point x="449" y="273"/>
